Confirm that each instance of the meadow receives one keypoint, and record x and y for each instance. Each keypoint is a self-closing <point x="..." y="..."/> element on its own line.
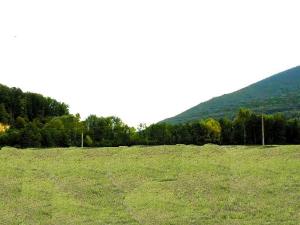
<point x="165" y="185"/>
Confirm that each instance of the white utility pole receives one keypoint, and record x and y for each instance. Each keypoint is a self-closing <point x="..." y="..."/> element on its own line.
<point x="82" y="139"/>
<point x="262" y="129"/>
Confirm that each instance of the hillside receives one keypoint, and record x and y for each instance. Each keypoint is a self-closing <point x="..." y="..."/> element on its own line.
<point x="278" y="93"/>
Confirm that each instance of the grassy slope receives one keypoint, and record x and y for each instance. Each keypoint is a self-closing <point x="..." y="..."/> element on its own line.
<point x="278" y="93"/>
<point x="151" y="185"/>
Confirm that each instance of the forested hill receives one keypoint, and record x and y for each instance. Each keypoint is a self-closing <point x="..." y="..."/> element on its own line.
<point x="15" y="103"/>
<point x="278" y="93"/>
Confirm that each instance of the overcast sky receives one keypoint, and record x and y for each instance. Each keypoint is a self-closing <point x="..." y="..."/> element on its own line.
<point x="144" y="61"/>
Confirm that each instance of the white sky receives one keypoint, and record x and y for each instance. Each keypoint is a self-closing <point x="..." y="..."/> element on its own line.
<point x="140" y="60"/>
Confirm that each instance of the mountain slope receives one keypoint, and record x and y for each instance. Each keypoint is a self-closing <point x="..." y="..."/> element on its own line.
<point x="278" y="93"/>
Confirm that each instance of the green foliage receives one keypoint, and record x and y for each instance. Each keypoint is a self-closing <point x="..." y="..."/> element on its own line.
<point x="20" y="122"/>
<point x="88" y="141"/>
<point x="30" y="135"/>
<point x="65" y="131"/>
<point x="108" y="131"/>
<point x="278" y="93"/>
<point x="293" y="131"/>
<point x="158" y="134"/>
<point x="246" y="128"/>
<point x="226" y="131"/>
<point x="15" y="103"/>
<point x="213" y="130"/>
<point x="62" y="131"/>
<point x="275" y="128"/>
<point x="4" y="116"/>
<point x="242" y="120"/>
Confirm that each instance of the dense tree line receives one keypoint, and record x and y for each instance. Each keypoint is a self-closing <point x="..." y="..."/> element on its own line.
<point x="245" y="128"/>
<point x="67" y="130"/>
<point x="14" y="103"/>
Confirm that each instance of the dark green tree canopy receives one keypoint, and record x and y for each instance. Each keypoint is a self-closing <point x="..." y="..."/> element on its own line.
<point x="15" y="103"/>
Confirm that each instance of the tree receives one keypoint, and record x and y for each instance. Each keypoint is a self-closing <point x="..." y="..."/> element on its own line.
<point x="30" y="136"/>
<point x="159" y="134"/>
<point x="226" y="131"/>
<point x="293" y="131"/>
<point x="198" y="133"/>
<point x="63" y="131"/>
<point x="254" y="129"/>
<point x="182" y="134"/>
<point x="275" y="129"/>
<point x="20" y="122"/>
<point x="4" y="116"/>
<point x="88" y="141"/>
<point x="53" y="133"/>
<point x="11" y="137"/>
<point x="28" y="105"/>
<point x="242" y="119"/>
<point x="3" y="128"/>
<point x="213" y="130"/>
<point x="279" y="128"/>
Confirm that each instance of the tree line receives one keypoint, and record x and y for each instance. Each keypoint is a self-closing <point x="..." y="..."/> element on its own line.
<point x="244" y="129"/>
<point x="66" y="130"/>
<point x="32" y="120"/>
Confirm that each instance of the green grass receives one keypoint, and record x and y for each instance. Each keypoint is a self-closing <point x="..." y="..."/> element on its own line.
<point x="151" y="185"/>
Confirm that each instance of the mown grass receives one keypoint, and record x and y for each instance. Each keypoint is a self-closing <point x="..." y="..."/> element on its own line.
<point x="151" y="185"/>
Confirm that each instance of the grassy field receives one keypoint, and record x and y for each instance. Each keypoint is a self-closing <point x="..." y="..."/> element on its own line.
<point x="151" y="185"/>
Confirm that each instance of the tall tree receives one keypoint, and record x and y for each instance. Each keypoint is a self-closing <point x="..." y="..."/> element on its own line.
<point x="4" y="116"/>
<point x="242" y="118"/>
